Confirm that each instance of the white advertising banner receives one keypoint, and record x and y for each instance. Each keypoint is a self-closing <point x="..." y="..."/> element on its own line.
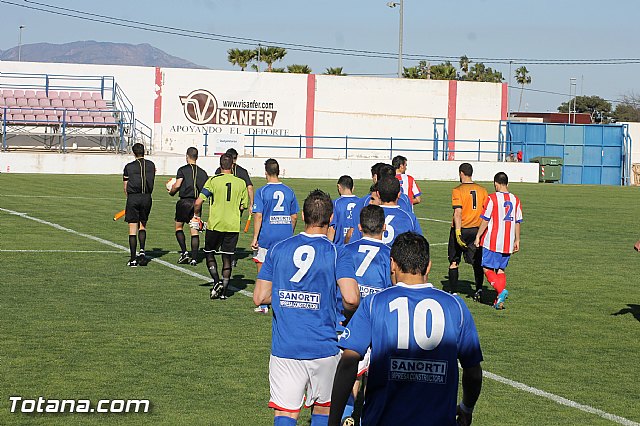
<point x="222" y="107"/>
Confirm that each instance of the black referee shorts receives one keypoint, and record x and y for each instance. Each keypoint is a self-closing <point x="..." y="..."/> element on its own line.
<point x="184" y="209"/>
<point x="472" y="254"/>
<point x="138" y="208"/>
<point x="220" y="242"/>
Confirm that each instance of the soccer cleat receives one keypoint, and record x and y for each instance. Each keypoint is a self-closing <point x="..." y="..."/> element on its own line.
<point x="348" y="421"/>
<point x="193" y="262"/>
<point x="500" y="300"/>
<point x="477" y="296"/>
<point x="216" y="291"/>
<point x="261" y="310"/>
<point x="132" y="263"/>
<point x="184" y="258"/>
<point x="142" y="259"/>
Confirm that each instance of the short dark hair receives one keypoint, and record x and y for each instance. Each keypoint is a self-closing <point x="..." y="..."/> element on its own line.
<point x="501" y="178"/>
<point x="398" y="161"/>
<point x="373" y="188"/>
<point x="233" y="153"/>
<point x="388" y="188"/>
<point x="346" y="181"/>
<point x="317" y="208"/>
<point x="226" y="162"/>
<point x="272" y="167"/>
<point x="410" y="251"/>
<point x="372" y="219"/>
<point x="192" y="153"/>
<point x="138" y="150"/>
<point x="466" y="169"/>
<point x="376" y="168"/>
<point x="386" y="170"/>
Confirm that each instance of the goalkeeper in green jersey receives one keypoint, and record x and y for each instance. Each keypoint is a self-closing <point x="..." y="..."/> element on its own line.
<point x="227" y="197"/>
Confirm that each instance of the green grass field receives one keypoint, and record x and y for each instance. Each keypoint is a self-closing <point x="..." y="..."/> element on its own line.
<point x="75" y="322"/>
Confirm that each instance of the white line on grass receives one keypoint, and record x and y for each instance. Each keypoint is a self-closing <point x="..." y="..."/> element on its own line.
<point x="560" y="400"/>
<point x="520" y="386"/>
<point x="118" y="246"/>
<point x="435" y="220"/>
<point x="61" y="251"/>
<point x="59" y="197"/>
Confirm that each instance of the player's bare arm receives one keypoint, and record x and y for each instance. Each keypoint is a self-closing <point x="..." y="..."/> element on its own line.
<point x="262" y="292"/>
<point x="417" y="199"/>
<point x="175" y="187"/>
<point x="343" y="381"/>
<point x="471" y="387"/>
<point x="637" y="246"/>
<point x="483" y="227"/>
<point x="257" y="225"/>
<point x="125" y="188"/>
<point x="350" y="296"/>
<point x="294" y="220"/>
<point x="250" y="193"/>
<point x="331" y="233"/>
<point x="516" y="241"/>
<point x="347" y="237"/>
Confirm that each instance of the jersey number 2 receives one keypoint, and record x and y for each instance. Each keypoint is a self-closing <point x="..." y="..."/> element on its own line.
<point x="279" y="195"/>
<point x="508" y="205"/>
<point x="303" y="259"/>
<point x="424" y="339"/>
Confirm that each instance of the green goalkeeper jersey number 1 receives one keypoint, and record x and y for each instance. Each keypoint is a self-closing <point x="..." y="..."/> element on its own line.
<point x="227" y="195"/>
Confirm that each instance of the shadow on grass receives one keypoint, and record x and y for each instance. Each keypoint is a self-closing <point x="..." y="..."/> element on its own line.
<point x="632" y="309"/>
<point x="468" y="288"/>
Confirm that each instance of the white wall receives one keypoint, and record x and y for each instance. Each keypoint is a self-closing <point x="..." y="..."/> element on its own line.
<point x="27" y="162"/>
<point x="634" y="132"/>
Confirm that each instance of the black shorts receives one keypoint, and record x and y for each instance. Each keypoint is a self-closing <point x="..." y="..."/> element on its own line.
<point x="220" y="242"/>
<point x="184" y="209"/>
<point x="472" y="255"/>
<point x="138" y="208"/>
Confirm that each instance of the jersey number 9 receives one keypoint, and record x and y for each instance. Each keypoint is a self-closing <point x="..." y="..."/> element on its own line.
<point x="303" y="259"/>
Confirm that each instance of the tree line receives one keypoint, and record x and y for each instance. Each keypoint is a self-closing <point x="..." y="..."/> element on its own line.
<point x="600" y="109"/>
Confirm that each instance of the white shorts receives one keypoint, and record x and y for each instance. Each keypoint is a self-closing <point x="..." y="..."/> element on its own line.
<point x="260" y="255"/>
<point x="290" y="378"/>
<point x="363" y="365"/>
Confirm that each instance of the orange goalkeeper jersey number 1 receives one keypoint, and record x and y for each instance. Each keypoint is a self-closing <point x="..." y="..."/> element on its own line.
<point x="470" y="197"/>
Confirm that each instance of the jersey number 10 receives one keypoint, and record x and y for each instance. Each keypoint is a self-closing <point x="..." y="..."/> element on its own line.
<point x="424" y="339"/>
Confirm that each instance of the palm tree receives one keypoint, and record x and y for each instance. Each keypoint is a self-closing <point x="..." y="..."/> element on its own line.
<point x="241" y="57"/>
<point x="522" y="78"/>
<point x="269" y="55"/>
<point x="298" y="69"/>
<point x="443" y="71"/>
<point x="334" y="71"/>
<point x="464" y="66"/>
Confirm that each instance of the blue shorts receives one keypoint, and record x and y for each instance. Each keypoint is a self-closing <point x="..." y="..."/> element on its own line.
<point x="493" y="260"/>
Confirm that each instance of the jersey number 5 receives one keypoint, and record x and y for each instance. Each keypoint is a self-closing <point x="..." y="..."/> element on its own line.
<point x="303" y="259"/>
<point x="424" y="339"/>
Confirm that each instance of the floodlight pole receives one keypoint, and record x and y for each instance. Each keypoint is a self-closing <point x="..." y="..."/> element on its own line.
<point x="393" y="4"/>
<point x="21" y="27"/>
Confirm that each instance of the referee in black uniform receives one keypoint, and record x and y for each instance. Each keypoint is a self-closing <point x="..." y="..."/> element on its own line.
<point x="138" y="178"/>
<point x="242" y="173"/>
<point x="189" y="182"/>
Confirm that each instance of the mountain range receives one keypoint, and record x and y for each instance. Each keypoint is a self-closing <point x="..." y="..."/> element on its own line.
<point x="96" y="52"/>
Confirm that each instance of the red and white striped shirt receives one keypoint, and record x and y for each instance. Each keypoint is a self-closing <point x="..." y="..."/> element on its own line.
<point x="502" y="210"/>
<point x="409" y="186"/>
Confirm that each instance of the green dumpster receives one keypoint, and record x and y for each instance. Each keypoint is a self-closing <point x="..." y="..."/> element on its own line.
<point x="550" y="169"/>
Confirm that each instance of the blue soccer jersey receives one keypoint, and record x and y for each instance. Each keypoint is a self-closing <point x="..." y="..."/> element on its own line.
<point x="398" y="222"/>
<point x="417" y="336"/>
<point x="403" y="203"/>
<point x="276" y="202"/>
<point x="343" y="209"/>
<point x="302" y="270"/>
<point x="368" y="262"/>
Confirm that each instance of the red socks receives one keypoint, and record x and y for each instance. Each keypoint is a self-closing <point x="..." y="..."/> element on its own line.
<point x="497" y="281"/>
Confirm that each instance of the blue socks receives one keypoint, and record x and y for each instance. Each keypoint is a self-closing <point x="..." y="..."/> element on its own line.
<point x="348" y="409"/>
<point x="287" y="421"/>
<point x="319" y="420"/>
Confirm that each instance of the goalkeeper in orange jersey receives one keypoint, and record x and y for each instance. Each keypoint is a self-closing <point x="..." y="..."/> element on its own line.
<point x="467" y="200"/>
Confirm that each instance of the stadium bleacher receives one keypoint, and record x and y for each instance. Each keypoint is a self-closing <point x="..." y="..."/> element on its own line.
<point x="39" y="108"/>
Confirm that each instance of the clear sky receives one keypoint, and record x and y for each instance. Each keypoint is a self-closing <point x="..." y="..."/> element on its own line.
<point x="542" y="29"/>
